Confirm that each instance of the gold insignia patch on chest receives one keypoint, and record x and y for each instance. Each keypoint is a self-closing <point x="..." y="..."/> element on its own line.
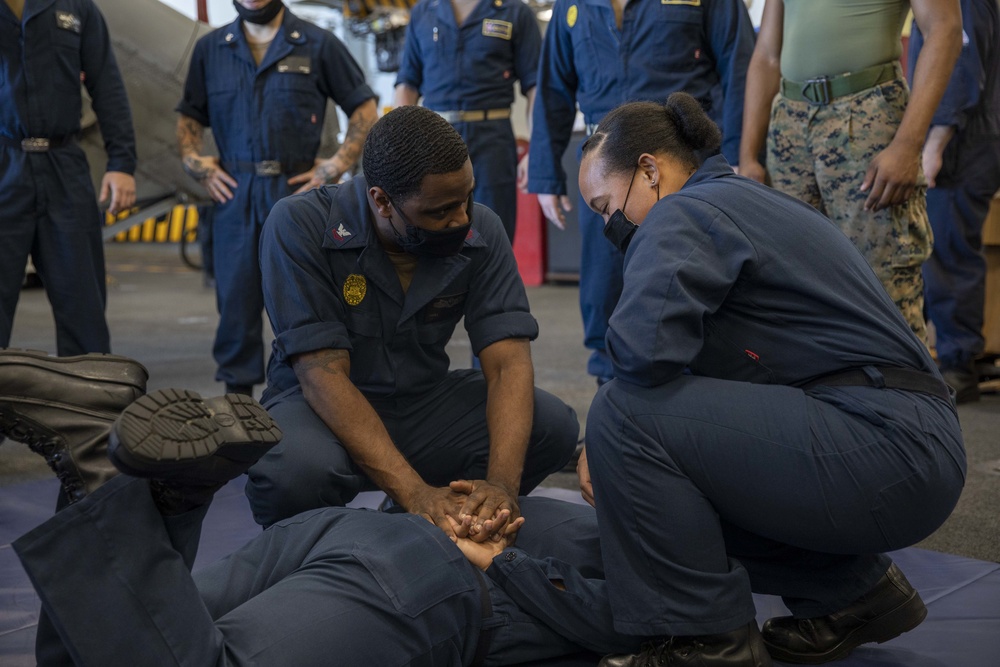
<point x="571" y="15"/>
<point x="355" y="288"/>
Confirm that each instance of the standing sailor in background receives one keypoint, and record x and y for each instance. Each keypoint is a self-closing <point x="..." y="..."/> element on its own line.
<point x="961" y="159"/>
<point x="463" y="57"/>
<point x="602" y="53"/>
<point x="262" y="84"/>
<point x="48" y="208"/>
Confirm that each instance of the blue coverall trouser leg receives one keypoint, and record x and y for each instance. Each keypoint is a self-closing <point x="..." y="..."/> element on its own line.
<point x="442" y="433"/>
<point x="493" y="152"/>
<point x="334" y="586"/>
<point x="955" y="273"/>
<point x="709" y="489"/>
<point x="601" y="270"/>
<point x="48" y="209"/>
<point x="236" y="226"/>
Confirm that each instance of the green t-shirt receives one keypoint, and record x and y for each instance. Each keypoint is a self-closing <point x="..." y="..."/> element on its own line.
<point x="830" y="37"/>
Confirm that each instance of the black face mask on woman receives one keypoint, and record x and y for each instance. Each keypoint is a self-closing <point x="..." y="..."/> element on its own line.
<point x="260" y="16"/>
<point x="426" y="243"/>
<point x="619" y="229"/>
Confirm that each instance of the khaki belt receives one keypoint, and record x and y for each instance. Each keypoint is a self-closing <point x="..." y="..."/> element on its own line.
<point x="37" y="144"/>
<point x="823" y="90"/>
<point x="474" y="115"/>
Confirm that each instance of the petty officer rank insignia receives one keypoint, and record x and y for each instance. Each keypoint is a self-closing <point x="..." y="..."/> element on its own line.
<point x="571" y="14"/>
<point x="355" y="288"/>
<point x="67" y="21"/>
<point x="501" y="29"/>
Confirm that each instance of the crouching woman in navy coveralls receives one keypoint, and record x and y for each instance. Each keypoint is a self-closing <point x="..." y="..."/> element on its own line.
<point x="774" y="425"/>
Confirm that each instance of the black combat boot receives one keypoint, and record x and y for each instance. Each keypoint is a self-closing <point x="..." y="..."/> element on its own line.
<point x="63" y="408"/>
<point x="189" y="447"/>
<point x="742" y="647"/>
<point x="888" y="610"/>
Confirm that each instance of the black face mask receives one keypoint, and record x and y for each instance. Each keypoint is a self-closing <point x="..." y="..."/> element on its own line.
<point x="261" y="16"/>
<point x="426" y="243"/>
<point x="619" y="229"/>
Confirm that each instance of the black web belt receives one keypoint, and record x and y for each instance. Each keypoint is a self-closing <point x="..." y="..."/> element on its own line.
<point x="882" y="377"/>
<point x="37" y="144"/>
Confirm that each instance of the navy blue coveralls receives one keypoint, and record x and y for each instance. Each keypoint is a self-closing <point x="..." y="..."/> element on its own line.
<point x="328" y="284"/>
<point x="48" y="207"/>
<point x="473" y="67"/>
<point x="756" y="471"/>
<point x="267" y="122"/>
<point x="955" y="274"/>
<point x="702" y="48"/>
<point x="333" y="586"/>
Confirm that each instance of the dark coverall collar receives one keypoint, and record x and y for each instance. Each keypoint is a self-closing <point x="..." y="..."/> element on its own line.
<point x="291" y="33"/>
<point x="353" y="229"/>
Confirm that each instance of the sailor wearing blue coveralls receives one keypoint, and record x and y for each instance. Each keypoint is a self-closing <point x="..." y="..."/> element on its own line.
<point x="463" y="57"/>
<point x="364" y="284"/>
<point x="811" y="434"/>
<point x="962" y="164"/>
<point x="48" y="208"/>
<point x="262" y="84"/>
<point x="599" y="54"/>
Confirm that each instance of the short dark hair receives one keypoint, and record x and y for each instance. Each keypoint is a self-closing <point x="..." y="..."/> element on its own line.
<point x="407" y="144"/>
<point x="679" y="128"/>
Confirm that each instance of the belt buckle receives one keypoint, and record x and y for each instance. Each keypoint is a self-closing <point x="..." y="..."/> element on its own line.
<point x="268" y="168"/>
<point x="35" y="145"/>
<point x="821" y="84"/>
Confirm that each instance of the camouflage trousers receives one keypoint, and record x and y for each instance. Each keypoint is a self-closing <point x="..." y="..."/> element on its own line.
<point x="820" y="154"/>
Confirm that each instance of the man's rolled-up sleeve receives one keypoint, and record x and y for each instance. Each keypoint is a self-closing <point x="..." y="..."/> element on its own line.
<point x="497" y="306"/>
<point x="300" y="296"/>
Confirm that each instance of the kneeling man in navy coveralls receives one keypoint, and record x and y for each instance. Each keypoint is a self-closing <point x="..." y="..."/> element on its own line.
<point x="364" y="284"/>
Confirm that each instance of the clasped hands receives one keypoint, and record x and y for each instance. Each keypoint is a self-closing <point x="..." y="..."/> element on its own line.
<point x="478" y="511"/>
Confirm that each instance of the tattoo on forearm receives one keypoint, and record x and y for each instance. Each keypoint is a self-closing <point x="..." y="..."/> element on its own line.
<point x="189" y="139"/>
<point x="189" y="135"/>
<point x="358" y="125"/>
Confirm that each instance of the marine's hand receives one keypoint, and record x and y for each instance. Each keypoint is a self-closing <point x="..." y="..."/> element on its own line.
<point x="120" y="187"/>
<point x="553" y="207"/>
<point x="583" y="473"/>
<point x="322" y="173"/>
<point x="891" y="176"/>
<point x="481" y="554"/>
<point x="207" y="171"/>
<point x="436" y="504"/>
<point x="486" y="503"/>
<point x="752" y="169"/>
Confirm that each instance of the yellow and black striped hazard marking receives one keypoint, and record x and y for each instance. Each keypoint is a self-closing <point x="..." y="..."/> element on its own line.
<point x="167" y="228"/>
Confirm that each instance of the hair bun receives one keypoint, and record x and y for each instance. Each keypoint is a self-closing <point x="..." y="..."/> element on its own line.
<point x="695" y="128"/>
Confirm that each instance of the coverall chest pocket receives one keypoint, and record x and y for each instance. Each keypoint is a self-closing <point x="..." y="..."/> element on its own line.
<point x="294" y="102"/>
<point x="419" y="571"/>
<point x="590" y="35"/>
<point x="681" y="27"/>
<point x="437" y="320"/>
<point x="720" y="357"/>
<point x="65" y="32"/>
<point x="491" y="42"/>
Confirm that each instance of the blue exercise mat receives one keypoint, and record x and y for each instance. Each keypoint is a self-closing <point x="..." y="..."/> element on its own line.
<point x="962" y="595"/>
